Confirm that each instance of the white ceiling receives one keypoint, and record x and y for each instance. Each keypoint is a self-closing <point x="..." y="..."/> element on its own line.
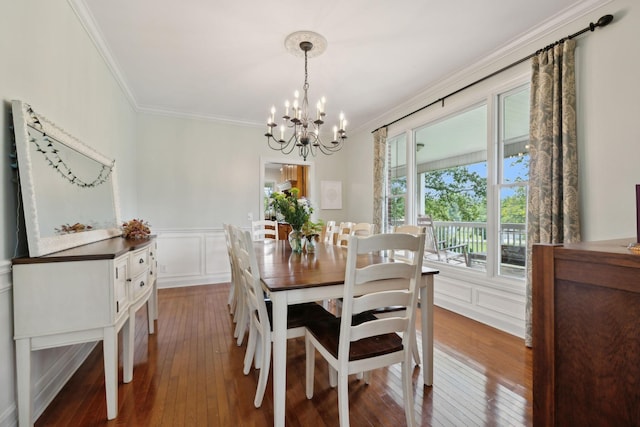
<point x="226" y="60"/>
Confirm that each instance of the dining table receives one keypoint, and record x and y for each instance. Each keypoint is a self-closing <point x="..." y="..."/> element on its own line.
<point x="293" y="278"/>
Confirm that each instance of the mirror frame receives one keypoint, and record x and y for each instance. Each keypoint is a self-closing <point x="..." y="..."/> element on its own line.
<point x="23" y="118"/>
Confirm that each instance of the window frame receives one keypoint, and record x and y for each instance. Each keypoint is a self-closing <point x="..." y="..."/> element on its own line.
<point x="490" y="96"/>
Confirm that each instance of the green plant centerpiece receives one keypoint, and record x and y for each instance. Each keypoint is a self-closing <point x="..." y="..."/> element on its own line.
<point x="296" y="212"/>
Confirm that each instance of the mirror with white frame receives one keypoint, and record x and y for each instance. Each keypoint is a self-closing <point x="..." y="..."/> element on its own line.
<point x="69" y="192"/>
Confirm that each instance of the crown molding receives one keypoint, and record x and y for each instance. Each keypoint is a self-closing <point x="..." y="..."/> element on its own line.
<point x="88" y="22"/>
<point x="197" y="116"/>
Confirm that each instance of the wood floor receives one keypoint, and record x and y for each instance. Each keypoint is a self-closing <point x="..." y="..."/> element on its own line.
<point x="190" y="374"/>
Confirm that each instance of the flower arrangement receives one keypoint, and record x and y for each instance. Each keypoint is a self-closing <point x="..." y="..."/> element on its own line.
<point x="136" y="229"/>
<point x="296" y="211"/>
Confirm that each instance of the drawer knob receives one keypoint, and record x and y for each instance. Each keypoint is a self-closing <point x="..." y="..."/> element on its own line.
<point x="141" y="283"/>
<point x="141" y="261"/>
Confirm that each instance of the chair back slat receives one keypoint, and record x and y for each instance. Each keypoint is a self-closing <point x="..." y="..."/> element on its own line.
<point x="376" y="327"/>
<point x="363" y="229"/>
<point x="264" y="229"/>
<point x="377" y="285"/>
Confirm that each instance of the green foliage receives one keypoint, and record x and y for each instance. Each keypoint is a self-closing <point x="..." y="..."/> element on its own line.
<point x="397" y="203"/>
<point x="459" y="194"/>
<point x="311" y="228"/>
<point x="513" y="209"/>
<point x="295" y="211"/>
<point x="456" y="194"/>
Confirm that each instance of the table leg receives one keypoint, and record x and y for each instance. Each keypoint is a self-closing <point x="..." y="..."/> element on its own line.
<point x="279" y="301"/>
<point x="426" y="317"/>
<point x="23" y="374"/>
<point x="110" y="349"/>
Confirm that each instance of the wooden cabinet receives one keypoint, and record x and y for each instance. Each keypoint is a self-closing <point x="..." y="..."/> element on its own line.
<point x="88" y="293"/>
<point x="283" y="231"/>
<point x="586" y="334"/>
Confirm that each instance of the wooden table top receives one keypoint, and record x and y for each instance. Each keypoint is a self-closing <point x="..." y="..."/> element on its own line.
<point x="283" y="270"/>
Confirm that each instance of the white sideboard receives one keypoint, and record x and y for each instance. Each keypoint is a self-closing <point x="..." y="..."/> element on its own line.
<point x="88" y="293"/>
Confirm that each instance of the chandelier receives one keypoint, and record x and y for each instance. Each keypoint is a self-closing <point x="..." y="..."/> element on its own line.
<point x="302" y="123"/>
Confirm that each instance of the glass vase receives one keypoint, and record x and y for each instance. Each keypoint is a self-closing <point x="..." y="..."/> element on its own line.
<point x="310" y="243"/>
<point x="295" y="241"/>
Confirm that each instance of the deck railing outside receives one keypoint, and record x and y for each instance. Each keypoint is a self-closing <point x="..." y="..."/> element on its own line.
<point x="513" y="240"/>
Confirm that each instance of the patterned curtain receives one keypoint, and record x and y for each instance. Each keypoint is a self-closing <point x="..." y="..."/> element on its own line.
<point x="379" y="164"/>
<point x="552" y="211"/>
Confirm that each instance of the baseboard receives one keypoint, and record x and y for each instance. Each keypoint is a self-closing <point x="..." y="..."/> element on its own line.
<point x="178" y="282"/>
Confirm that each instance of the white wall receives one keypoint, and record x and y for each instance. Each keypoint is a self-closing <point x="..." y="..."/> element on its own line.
<point x="198" y="175"/>
<point x="49" y="61"/>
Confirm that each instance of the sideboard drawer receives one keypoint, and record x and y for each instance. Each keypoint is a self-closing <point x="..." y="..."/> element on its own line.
<point x="139" y="284"/>
<point x="138" y="262"/>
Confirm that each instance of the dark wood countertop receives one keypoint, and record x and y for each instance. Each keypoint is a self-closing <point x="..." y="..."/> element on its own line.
<point x="103" y="249"/>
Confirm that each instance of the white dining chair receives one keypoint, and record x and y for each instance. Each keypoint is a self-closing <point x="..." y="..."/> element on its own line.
<point x="264" y="229"/>
<point x="231" y="300"/>
<point x="390" y="311"/>
<point x="330" y="231"/>
<point x="241" y="312"/>
<point x="363" y="229"/>
<point x="344" y="231"/>
<point x="358" y="341"/>
<point x="259" y="312"/>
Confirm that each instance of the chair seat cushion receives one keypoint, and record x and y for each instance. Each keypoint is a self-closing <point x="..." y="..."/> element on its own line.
<point x="298" y="315"/>
<point x="327" y="332"/>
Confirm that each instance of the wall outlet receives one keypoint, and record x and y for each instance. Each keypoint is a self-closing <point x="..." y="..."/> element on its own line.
<point x="250" y="216"/>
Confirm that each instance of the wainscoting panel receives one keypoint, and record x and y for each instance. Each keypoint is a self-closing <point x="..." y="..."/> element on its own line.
<point x="192" y="257"/>
<point x="460" y="292"/>
<point x="501" y="302"/>
<point x="481" y="300"/>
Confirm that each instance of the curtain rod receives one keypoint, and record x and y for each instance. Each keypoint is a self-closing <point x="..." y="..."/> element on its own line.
<point x="602" y="22"/>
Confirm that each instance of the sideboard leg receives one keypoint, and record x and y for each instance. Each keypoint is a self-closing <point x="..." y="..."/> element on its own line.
<point x="23" y="367"/>
<point x="110" y="348"/>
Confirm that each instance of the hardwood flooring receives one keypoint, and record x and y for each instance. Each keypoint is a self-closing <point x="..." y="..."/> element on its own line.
<point x="190" y="374"/>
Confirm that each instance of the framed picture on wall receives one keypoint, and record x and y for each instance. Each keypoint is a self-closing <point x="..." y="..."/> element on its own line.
<point x="330" y="194"/>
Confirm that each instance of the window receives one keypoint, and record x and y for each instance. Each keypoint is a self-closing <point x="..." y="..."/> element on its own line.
<point x="396" y="182"/>
<point x="451" y="165"/>
<point x="513" y="178"/>
<point x="471" y="174"/>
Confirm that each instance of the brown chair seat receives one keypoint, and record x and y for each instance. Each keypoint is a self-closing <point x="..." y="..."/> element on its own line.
<point x="298" y="315"/>
<point x="328" y="331"/>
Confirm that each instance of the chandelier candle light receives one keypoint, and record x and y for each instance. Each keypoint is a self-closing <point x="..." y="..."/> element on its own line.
<point x="306" y="128"/>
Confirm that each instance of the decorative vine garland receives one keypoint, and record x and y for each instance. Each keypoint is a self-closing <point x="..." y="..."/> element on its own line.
<point x="55" y="161"/>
